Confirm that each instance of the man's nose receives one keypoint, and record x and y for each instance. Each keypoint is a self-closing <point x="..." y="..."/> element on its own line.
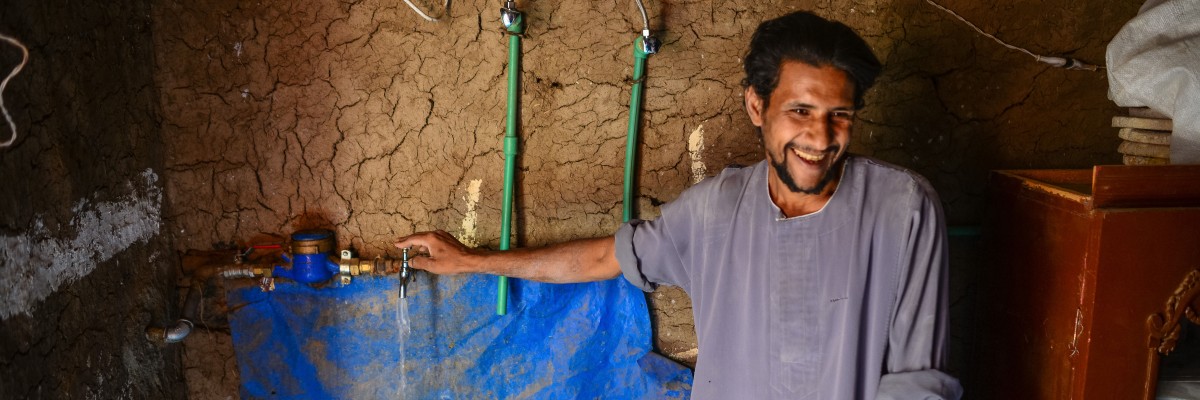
<point x="821" y="132"/>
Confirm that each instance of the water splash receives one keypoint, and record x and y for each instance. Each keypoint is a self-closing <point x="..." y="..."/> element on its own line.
<point x="403" y="330"/>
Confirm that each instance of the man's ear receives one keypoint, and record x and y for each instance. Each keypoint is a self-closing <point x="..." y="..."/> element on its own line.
<point x="754" y="106"/>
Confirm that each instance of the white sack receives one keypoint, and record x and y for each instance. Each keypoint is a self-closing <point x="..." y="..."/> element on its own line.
<point x="1154" y="61"/>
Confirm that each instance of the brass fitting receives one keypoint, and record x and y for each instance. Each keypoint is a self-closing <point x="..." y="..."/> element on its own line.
<point x="348" y="266"/>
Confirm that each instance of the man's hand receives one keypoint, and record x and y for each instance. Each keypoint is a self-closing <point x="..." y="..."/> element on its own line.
<point x="440" y="253"/>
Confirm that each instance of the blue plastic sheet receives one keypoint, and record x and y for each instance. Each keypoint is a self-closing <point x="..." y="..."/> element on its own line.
<point x="572" y="341"/>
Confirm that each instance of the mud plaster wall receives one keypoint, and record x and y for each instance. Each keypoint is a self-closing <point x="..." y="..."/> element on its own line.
<point x="83" y="266"/>
<point x="362" y="117"/>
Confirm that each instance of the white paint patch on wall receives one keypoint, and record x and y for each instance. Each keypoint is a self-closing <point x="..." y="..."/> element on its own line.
<point x="38" y="262"/>
<point x="695" y="151"/>
<point x="470" y="220"/>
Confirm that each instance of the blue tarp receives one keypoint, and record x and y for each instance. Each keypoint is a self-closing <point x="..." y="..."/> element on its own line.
<point x="584" y="341"/>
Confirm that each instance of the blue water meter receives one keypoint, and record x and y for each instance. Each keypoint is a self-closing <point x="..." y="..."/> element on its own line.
<point x="311" y="259"/>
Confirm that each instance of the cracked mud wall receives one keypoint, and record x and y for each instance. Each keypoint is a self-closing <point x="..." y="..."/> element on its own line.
<point x="83" y="265"/>
<point x="362" y="117"/>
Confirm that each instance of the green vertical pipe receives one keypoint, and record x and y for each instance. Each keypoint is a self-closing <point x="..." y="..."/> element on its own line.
<point x="510" y="153"/>
<point x="631" y="138"/>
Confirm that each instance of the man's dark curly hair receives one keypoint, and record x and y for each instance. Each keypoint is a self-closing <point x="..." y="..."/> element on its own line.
<point x="804" y="37"/>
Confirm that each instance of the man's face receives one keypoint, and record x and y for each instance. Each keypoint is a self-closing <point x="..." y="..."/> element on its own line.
<point x="805" y="126"/>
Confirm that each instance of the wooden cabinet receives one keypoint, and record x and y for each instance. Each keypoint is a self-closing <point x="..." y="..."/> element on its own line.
<point x="1079" y="261"/>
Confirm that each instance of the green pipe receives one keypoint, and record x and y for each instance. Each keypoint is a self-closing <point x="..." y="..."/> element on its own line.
<point x="631" y="138"/>
<point x="510" y="153"/>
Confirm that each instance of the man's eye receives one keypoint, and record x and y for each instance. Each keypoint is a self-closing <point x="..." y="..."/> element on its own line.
<point x="801" y="111"/>
<point x="843" y="115"/>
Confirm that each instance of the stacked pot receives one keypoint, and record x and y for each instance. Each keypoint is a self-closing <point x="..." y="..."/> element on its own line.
<point x="1146" y="137"/>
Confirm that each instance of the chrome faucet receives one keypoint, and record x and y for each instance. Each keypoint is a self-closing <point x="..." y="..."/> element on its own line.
<point x="405" y="274"/>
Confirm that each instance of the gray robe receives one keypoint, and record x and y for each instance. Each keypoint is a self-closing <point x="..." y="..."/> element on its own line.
<point x="849" y="302"/>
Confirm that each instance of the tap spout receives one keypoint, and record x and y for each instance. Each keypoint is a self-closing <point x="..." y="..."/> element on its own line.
<point x="405" y="274"/>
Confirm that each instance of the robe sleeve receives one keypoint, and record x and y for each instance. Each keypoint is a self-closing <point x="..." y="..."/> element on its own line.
<point x="662" y="251"/>
<point x="651" y="253"/>
<point x="917" y="336"/>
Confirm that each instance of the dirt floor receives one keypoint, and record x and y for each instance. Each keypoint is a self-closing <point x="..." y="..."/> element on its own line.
<point x="262" y="118"/>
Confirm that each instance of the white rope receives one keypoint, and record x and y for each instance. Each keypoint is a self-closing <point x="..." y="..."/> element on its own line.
<point x="446" y="7"/>
<point x="1061" y="62"/>
<point x="4" y="83"/>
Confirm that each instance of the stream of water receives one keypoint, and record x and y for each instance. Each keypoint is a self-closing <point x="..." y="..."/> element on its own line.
<point x="403" y="329"/>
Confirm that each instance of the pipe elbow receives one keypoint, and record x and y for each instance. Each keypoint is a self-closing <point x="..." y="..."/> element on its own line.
<point x="181" y="330"/>
<point x="172" y="334"/>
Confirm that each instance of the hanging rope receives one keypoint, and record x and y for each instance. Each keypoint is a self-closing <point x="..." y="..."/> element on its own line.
<point x="4" y="83"/>
<point x="1061" y="62"/>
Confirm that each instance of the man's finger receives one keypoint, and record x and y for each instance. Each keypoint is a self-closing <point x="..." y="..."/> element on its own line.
<point x="418" y="251"/>
<point x="417" y="241"/>
<point x="423" y="263"/>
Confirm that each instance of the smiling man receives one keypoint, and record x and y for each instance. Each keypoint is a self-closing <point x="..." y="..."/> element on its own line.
<point x="813" y="274"/>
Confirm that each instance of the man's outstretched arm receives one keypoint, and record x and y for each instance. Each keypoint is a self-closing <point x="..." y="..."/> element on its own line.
<point x="583" y="260"/>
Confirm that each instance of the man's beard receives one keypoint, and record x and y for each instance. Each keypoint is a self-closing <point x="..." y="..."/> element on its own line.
<point x="786" y="177"/>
